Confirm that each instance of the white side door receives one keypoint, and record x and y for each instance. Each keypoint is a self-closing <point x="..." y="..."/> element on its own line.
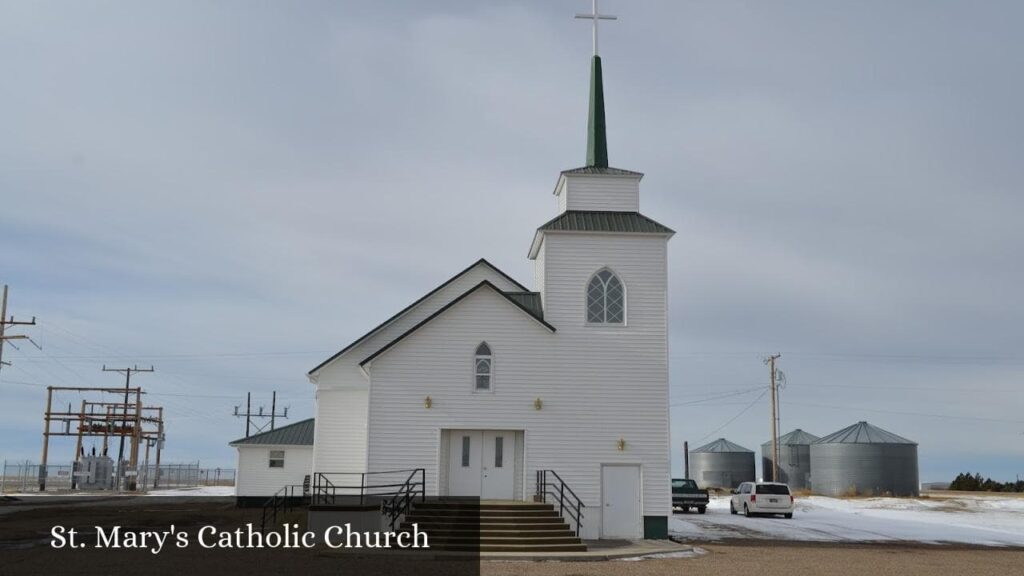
<point x="620" y="502"/>
<point x="498" y="465"/>
<point x="464" y="463"/>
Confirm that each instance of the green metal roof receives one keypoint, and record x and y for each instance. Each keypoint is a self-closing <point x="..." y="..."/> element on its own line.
<point x="721" y="445"/>
<point x="530" y="301"/>
<point x="601" y="221"/>
<point x="298" y="434"/>
<point x="863" y="433"/>
<point x="601" y="170"/>
<point x="795" y="438"/>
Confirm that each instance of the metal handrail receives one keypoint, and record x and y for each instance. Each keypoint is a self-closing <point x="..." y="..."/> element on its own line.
<point x="402" y="501"/>
<point x="545" y="489"/>
<point x="327" y="490"/>
<point x="280" y="503"/>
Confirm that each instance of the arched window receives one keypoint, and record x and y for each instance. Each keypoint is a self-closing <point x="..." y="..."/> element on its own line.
<point x="483" y="366"/>
<point x="606" y="299"/>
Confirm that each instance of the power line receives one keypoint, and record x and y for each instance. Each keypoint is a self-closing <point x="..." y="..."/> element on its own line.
<point x="199" y="355"/>
<point x="734" y="418"/>
<point x="717" y="397"/>
<point x="902" y="413"/>
<point x="120" y="453"/>
<point x="867" y="356"/>
<point x="249" y="415"/>
<point x="5" y="322"/>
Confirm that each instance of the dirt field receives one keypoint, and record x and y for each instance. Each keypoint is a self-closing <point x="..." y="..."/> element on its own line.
<point x="742" y="559"/>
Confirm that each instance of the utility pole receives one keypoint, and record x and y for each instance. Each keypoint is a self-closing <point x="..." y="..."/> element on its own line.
<point x="686" y="459"/>
<point x="5" y="322"/>
<point x="249" y="415"/>
<point x="120" y="452"/>
<point x="770" y="361"/>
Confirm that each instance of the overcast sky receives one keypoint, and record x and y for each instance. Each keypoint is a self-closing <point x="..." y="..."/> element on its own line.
<point x="233" y="190"/>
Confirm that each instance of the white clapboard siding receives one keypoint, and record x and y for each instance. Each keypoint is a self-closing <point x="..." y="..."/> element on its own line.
<point x="628" y="364"/>
<point x="596" y="384"/>
<point x="255" y="477"/>
<point x="341" y="385"/>
<point x="599" y="192"/>
<point x="340" y="430"/>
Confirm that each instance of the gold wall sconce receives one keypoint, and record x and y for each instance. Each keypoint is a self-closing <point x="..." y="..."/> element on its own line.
<point x="538" y="404"/>
<point x="621" y="444"/>
<point x="428" y="402"/>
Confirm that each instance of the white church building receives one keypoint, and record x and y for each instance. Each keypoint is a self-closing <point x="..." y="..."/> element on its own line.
<point x="485" y="381"/>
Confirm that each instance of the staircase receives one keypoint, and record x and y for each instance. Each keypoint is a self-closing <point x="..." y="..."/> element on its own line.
<point x="493" y="526"/>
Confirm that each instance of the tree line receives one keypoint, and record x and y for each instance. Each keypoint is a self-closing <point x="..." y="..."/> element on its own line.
<point x="975" y="483"/>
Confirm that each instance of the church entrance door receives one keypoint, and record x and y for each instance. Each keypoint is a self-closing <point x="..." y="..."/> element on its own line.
<point x="482" y="463"/>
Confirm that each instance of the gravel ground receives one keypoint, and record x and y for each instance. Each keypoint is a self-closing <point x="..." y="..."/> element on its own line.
<point x="793" y="560"/>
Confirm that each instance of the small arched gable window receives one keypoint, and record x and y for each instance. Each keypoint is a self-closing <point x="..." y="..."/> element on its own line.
<point x="483" y="367"/>
<point x="606" y="299"/>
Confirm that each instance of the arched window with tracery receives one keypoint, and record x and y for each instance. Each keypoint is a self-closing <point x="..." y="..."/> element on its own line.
<point x="606" y="299"/>
<point x="483" y="367"/>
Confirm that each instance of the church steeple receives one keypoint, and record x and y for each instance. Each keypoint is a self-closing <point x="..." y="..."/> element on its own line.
<point x="597" y="138"/>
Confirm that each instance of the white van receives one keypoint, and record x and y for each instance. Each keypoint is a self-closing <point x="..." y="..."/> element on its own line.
<point x="754" y="498"/>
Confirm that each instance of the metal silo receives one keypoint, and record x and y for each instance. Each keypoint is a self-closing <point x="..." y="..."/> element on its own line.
<point x="794" y="459"/>
<point x="722" y="464"/>
<point x="864" y="460"/>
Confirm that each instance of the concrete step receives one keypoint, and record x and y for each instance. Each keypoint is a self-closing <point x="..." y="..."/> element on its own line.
<point x="502" y="526"/>
<point x="485" y="513"/>
<point x="433" y="505"/>
<point x="534" y="548"/>
<point x="472" y="526"/>
<point x="549" y="530"/>
<point x="483" y="519"/>
<point x="505" y="540"/>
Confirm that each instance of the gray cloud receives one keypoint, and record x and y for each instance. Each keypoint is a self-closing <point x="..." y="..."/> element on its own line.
<point x="210" y="179"/>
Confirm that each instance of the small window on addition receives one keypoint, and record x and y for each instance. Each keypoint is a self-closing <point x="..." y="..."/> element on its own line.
<point x="277" y="458"/>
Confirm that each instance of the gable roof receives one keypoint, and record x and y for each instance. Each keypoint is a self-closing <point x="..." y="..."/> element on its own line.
<point x="795" y="438"/>
<point x="483" y="284"/>
<point x="297" y="434"/>
<point x="401" y="312"/>
<point x="864" y="433"/>
<point x="721" y="445"/>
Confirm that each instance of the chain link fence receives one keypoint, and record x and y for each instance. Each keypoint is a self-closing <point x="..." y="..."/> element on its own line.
<point x="23" y="477"/>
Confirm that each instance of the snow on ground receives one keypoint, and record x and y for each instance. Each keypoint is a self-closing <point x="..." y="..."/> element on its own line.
<point x="969" y="519"/>
<point x="198" y="491"/>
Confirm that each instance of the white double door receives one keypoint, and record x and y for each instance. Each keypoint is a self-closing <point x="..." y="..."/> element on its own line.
<point x="482" y="463"/>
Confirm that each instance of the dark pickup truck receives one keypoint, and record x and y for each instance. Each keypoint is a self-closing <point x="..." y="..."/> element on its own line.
<point x="686" y="495"/>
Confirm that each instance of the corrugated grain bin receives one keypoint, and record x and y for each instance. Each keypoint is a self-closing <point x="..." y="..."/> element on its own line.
<point x="864" y="460"/>
<point x="722" y="464"/>
<point x="794" y="459"/>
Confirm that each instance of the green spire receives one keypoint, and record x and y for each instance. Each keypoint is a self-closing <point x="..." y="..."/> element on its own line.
<point x="597" y="139"/>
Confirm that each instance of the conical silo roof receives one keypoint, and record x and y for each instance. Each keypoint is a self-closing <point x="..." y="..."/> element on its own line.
<point x="721" y="445"/>
<point x="795" y="438"/>
<point x="863" y="433"/>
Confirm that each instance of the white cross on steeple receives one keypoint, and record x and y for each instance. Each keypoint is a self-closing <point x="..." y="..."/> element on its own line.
<point x="595" y="16"/>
